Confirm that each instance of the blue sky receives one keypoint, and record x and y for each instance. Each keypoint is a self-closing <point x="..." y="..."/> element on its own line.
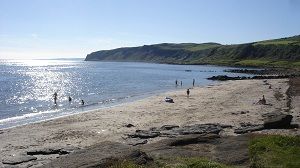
<point x="74" y="28"/>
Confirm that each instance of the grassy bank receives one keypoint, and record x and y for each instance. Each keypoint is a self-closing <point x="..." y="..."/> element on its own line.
<point x="175" y="163"/>
<point x="265" y="151"/>
<point x="262" y="63"/>
<point x="284" y="52"/>
<point x="275" y="151"/>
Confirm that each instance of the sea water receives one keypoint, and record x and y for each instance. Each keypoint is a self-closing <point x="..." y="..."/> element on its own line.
<point x="27" y="86"/>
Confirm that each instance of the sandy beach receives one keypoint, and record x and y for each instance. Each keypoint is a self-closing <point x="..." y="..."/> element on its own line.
<point x="230" y="102"/>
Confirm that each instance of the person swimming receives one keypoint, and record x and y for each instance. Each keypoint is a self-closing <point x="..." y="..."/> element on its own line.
<point x="82" y="102"/>
<point x="70" y="99"/>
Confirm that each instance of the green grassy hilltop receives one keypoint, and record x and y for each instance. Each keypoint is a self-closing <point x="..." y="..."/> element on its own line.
<point x="284" y="52"/>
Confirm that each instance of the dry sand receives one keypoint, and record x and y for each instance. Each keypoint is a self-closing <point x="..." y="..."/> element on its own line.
<point x="230" y="102"/>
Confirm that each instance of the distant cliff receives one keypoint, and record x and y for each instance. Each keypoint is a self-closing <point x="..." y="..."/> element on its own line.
<point x="278" y="52"/>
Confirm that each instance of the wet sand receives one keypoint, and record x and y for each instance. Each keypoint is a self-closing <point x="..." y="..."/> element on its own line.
<point x="230" y="102"/>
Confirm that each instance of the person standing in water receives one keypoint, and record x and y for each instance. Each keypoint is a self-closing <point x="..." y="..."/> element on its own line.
<point x="193" y="82"/>
<point x="188" y="92"/>
<point x="82" y="102"/>
<point x="55" y="97"/>
<point x="70" y="99"/>
<point x="176" y="82"/>
<point x="181" y="83"/>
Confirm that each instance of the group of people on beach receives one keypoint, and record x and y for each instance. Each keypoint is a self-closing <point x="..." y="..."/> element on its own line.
<point x="188" y="90"/>
<point x="69" y="99"/>
<point x="177" y="83"/>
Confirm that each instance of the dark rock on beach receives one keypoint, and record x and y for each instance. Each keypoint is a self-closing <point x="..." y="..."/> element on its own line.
<point x="14" y="160"/>
<point x="129" y="125"/>
<point x="104" y="154"/>
<point x="174" y="130"/>
<point x="248" y="127"/>
<point x="139" y="157"/>
<point x="225" y="77"/>
<point x="136" y="141"/>
<point x="168" y="127"/>
<point x="200" y="129"/>
<point x="49" y="151"/>
<point x="192" y="139"/>
<point x="277" y="120"/>
<point x="230" y="150"/>
<point x="144" y="134"/>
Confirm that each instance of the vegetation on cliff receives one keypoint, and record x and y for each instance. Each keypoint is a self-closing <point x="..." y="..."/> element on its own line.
<point x="284" y="52"/>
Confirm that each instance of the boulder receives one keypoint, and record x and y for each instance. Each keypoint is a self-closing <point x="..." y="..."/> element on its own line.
<point x="140" y="157"/>
<point x="277" y="120"/>
<point x="129" y="125"/>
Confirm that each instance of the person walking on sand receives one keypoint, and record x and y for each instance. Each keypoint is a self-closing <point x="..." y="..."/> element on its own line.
<point x="263" y="100"/>
<point x="55" y="97"/>
<point x="188" y="92"/>
<point x="193" y="82"/>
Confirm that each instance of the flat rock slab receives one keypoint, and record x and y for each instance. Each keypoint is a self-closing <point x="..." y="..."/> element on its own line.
<point x="168" y="127"/>
<point x="136" y="141"/>
<point x="51" y="151"/>
<point x="246" y="128"/>
<point x="14" y="160"/>
<point x="139" y="157"/>
<point x="104" y="154"/>
<point x="230" y="150"/>
<point x="174" y="130"/>
<point x="200" y="129"/>
<point x="192" y="139"/>
<point x="144" y="134"/>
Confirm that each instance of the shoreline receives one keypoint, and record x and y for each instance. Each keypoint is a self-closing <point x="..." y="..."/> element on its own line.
<point x="230" y="102"/>
<point x="93" y="108"/>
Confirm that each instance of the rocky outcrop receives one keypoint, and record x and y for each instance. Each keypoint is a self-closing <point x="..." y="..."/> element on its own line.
<point x="248" y="127"/>
<point x="14" y="160"/>
<point x="139" y="157"/>
<point x="144" y="134"/>
<point x="48" y="151"/>
<point x="175" y="130"/>
<point x="277" y="120"/>
<point x="225" y="77"/>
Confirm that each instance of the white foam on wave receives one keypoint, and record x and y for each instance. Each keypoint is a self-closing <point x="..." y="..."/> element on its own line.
<point x="24" y="116"/>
